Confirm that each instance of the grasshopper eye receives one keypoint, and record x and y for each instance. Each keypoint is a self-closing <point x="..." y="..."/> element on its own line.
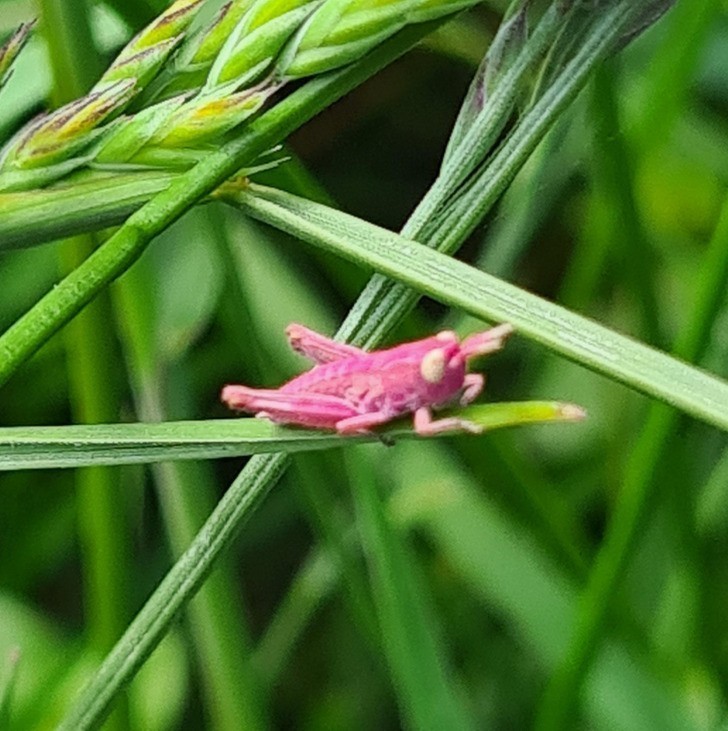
<point x="432" y="367"/>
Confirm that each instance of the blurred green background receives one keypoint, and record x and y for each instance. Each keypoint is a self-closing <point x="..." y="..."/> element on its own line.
<point x="611" y="217"/>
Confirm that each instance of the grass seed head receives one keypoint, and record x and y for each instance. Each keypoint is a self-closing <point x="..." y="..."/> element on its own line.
<point x="142" y="66"/>
<point x="171" y="23"/>
<point x="146" y="53"/>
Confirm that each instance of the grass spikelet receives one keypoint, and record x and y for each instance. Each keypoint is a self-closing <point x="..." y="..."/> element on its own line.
<point x="130" y="134"/>
<point x="59" y="135"/>
<point x="208" y="116"/>
<point x="341" y="31"/>
<point x="202" y="48"/>
<point x="11" y="48"/>
<point x="258" y="39"/>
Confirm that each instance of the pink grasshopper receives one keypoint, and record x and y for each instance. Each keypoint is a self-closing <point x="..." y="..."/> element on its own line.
<point x="352" y="390"/>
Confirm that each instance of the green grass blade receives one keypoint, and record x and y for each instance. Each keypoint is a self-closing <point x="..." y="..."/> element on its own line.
<point x="711" y="510"/>
<point x="410" y="633"/>
<point x="324" y="512"/>
<point x="314" y="582"/>
<point x="8" y="675"/>
<point x="31" y="218"/>
<point x="455" y="283"/>
<point x="40" y="447"/>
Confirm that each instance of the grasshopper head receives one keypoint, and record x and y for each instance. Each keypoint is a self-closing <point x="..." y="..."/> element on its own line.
<point x="442" y="369"/>
<point x="444" y="364"/>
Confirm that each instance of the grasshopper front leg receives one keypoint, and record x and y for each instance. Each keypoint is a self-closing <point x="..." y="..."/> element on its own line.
<point x="473" y="384"/>
<point x="317" y="347"/>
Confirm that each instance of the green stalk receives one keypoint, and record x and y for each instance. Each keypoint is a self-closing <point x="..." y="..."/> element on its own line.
<point x="640" y="483"/>
<point x="101" y="505"/>
<point x="90" y="204"/>
<point x="711" y="508"/>
<point x="108" y="262"/>
<point x="90" y="366"/>
<point x="314" y="582"/>
<point x="325" y="515"/>
<point x="42" y="447"/>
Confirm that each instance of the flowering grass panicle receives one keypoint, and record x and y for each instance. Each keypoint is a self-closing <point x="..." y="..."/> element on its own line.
<point x="188" y="91"/>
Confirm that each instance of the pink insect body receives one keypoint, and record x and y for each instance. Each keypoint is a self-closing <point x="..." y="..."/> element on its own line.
<point x="352" y="391"/>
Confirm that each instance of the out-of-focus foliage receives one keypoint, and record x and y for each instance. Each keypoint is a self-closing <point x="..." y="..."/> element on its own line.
<point x="494" y="536"/>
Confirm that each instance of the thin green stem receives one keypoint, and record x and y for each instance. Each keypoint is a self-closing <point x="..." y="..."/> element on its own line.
<point x="711" y="510"/>
<point x="410" y="632"/>
<point x="324" y="513"/>
<point x="90" y="204"/>
<point x="639" y="486"/>
<point x="314" y="582"/>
